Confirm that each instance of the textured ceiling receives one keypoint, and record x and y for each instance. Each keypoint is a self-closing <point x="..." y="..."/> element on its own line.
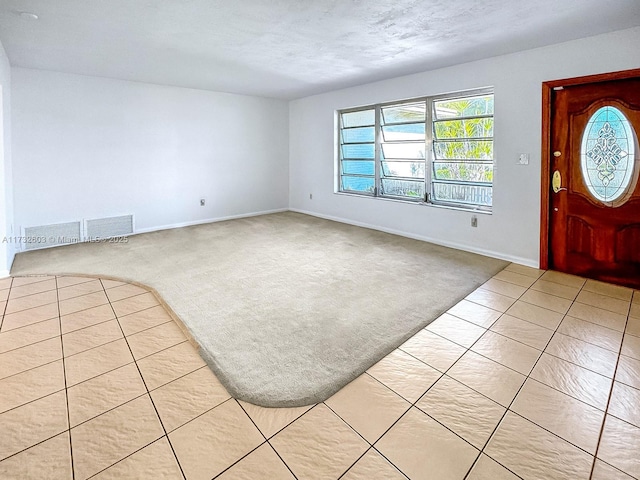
<point x="288" y="48"/>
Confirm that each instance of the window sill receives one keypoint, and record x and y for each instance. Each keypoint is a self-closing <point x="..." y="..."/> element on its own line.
<point x="422" y="203"/>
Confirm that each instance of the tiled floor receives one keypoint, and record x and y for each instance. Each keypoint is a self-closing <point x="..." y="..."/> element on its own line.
<point x="535" y="375"/>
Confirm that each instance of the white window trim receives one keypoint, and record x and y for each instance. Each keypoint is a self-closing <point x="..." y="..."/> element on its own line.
<point x="428" y="199"/>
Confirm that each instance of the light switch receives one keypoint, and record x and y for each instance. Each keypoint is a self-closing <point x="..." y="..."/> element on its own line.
<point x="523" y="159"/>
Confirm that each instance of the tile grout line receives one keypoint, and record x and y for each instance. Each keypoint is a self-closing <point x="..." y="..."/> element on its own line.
<point x="398" y="393"/>
<point x="146" y="445"/>
<point x="586" y="341"/>
<point x="411" y="405"/>
<point x="126" y="456"/>
<point x="145" y="386"/>
<point x="612" y="380"/>
<point x="147" y="332"/>
<point x="66" y="390"/>
<point x="508" y="407"/>
<point x="552" y="311"/>
<point x="580" y="289"/>
<point x="129" y="297"/>
<point x="143" y="310"/>
<point x="86" y="280"/>
<point x="41" y="277"/>
<point x="110" y="410"/>
<point x="266" y="440"/>
<point x="528" y="277"/>
<point x="33" y="368"/>
<point x="470" y="349"/>
<point x="526" y="345"/>
<point x="26" y="326"/>
<point x="14" y="287"/>
<point x="372" y="448"/>
<point x="63" y="389"/>
<point x="578" y="365"/>
<point x="32" y="293"/>
<point x="243" y="409"/>
<point x="89" y="326"/>
<point x="39" y="442"/>
<point x="540" y="277"/>
<point x="99" y="375"/>
<point x="117" y="340"/>
<point x="56" y="302"/>
<point x="29" y="324"/>
<point x="370" y="444"/>
<point x="555" y="311"/>
<point x="149" y="328"/>
<point x="5" y="305"/>
<point x="179" y="378"/>
<point x="527" y="377"/>
<point x="613" y="384"/>
<point x="217" y="475"/>
<point x="414" y="404"/>
<point x="200" y="414"/>
<point x="113" y="370"/>
<point x="101" y="305"/>
<point x="147" y="392"/>
<point x="62" y="334"/>
<point x="186" y="340"/>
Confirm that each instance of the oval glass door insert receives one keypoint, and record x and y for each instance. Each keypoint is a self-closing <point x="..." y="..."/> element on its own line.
<point x="607" y="155"/>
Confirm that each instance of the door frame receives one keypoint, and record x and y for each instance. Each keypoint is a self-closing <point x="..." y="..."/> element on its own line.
<point x="545" y="158"/>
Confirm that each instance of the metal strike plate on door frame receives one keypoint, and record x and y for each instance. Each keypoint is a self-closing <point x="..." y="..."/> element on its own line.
<point x="556" y="182"/>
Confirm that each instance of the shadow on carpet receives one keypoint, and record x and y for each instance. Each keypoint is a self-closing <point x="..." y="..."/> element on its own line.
<point x="287" y="308"/>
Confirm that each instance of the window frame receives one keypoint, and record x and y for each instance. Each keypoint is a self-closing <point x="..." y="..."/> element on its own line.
<point x="429" y="159"/>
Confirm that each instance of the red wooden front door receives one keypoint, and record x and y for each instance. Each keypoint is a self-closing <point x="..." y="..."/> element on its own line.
<point x="594" y="217"/>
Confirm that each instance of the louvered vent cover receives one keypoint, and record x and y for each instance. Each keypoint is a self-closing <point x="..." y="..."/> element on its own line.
<point x="109" y="227"/>
<point x="51" y="235"/>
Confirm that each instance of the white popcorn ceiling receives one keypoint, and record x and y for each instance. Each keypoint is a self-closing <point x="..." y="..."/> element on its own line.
<point x="288" y="48"/>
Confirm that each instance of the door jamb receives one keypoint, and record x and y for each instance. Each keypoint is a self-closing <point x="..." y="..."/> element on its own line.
<point x="547" y="98"/>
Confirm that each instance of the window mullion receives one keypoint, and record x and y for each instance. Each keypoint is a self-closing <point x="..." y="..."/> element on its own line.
<point x="428" y="149"/>
<point x="378" y="151"/>
<point x="452" y="124"/>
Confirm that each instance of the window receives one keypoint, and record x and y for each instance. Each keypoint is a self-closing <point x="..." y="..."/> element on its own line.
<point x="607" y="156"/>
<point x="435" y="150"/>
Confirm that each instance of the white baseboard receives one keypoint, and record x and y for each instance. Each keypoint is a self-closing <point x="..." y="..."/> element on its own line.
<point x="489" y="253"/>
<point x="208" y="220"/>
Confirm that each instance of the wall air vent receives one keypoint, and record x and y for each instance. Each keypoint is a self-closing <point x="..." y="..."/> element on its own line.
<point x="96" y="230"/>
<point x="102" y="228"/>
<point x="51" y="235"/>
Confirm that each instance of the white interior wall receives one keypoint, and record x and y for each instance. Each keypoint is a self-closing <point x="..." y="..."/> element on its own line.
<point x="7" y="250"/>
<point x="512" y="231"/>
<point x="88" y="147"/>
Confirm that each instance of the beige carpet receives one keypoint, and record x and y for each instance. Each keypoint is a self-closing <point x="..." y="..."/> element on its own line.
<point x="287" y="308"/>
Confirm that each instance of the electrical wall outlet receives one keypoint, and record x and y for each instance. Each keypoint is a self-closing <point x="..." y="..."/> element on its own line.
<point x="311" y="196"/>
<point x="474" y="221"/>
<point x="202" y="202"/>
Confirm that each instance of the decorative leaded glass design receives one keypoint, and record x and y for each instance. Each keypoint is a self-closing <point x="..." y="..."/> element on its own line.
<point x="608" y="154"/>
